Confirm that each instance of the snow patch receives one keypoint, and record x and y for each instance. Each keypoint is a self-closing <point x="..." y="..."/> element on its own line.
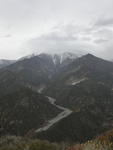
<point x="60" y="58"/>
<point x="75" y="81"/>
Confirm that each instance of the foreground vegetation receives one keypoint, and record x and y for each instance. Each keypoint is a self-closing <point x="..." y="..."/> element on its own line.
<point x="103" y="142"/>
<point x="18" y="143"/>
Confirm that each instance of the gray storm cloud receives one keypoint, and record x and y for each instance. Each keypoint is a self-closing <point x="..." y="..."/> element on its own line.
<point x="56" y="25"/>
<point x="97" y="40"/>
<point x="104" y="21"/>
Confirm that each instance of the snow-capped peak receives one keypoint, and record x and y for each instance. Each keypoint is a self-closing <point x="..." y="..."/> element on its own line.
<point x="57" y="58"/>
<point x="60" y="58"/>
<point x="67" y="55"/>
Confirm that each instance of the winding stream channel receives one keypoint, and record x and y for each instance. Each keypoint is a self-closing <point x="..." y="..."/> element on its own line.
<point x="65" y="112"/>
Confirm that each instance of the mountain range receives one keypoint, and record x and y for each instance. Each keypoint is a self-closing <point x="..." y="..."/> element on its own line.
<point x="83" y="84"/>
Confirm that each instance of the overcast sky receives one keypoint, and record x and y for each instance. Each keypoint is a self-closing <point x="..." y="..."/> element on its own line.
<point x="34" y="26"/>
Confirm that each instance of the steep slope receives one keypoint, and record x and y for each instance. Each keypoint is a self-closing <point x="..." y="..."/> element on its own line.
<point x="86" y="68"/>
<point x="24" y="110"/>
<point x="78" y="127"/>
<point x="92" y="105"/>
<point x="86" y="87"/>
<point x="34" y="72"/>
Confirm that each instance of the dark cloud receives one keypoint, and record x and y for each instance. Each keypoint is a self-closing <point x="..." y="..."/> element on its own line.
<point x="101" y="41"/>
<point x="55" y="25"/>
<point x="73" y="37"/>
<point x="6" y="36"/>
<point x="104" y="22"/>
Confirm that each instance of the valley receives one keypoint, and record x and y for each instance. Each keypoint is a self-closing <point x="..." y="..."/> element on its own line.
<point x="65" y="112"/>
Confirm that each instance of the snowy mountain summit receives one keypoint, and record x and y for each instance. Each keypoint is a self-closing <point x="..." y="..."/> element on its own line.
<point x="63" y="57"/>
<point x="55" y="58"/>
<point x="60" y="58"/>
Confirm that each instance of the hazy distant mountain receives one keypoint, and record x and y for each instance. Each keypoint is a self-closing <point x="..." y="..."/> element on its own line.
<point x="5" y="62"/>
